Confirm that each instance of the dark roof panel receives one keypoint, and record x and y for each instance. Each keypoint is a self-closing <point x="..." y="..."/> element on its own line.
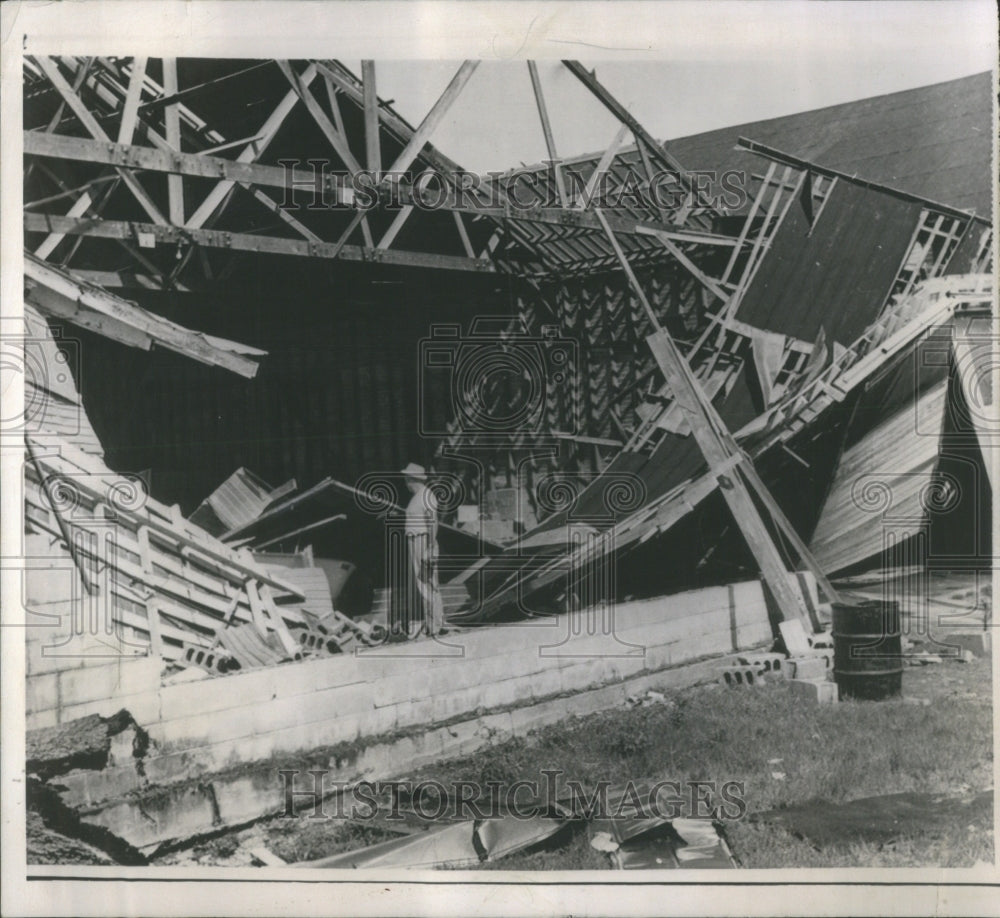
<point x="934" y="141"/>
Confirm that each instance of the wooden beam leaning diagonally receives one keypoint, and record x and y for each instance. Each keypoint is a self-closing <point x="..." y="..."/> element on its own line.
<point x="252" y="151"/>
<point x="335" y="138"/>
<point x="601" y="168"/>
<point x="51" y="70"/>
<point x="718" y="448"/>
<point x="434" y="117"/>
<point x="625" y="117"/>
<point x="126" y="129"/>
<point x="733" y="487"/>
<point x="707" y="282"/>
<point x="334" y="135"/>
<point x="749" y="221"/>
<point x="139" y="81"/>
<point x="550" y="144"/>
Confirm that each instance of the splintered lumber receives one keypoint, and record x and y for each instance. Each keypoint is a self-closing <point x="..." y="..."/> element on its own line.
<point x="718" y="447"/>
<point x="64" y="296"/>
<point x="169" y="582"/>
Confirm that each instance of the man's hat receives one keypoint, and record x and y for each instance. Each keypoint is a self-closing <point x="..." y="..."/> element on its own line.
<point x="414" y="471"/>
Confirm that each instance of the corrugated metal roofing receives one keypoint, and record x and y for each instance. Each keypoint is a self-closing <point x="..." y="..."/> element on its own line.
<point x="878" y="494"/>
<point x="933" y="141"/>
<point x="835" y="275"/>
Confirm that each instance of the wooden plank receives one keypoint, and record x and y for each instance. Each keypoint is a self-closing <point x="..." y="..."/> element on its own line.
<point x="248" y="242"/>
<point x="81" y="75"/>
<point x="252" y="151"/>
<point x="707" y="282"/>
<point x="602" y="167"/>
<point x="784" y="524"/>
<point x="748" y="222"/>
<point x="172" y="132"/>
<point x="57" y="292"/>
<point x="373" y="146"/>
<point x="434" y="117"/>
<point x="198" y="540"/>
<point x="394" y="227"/>
<point x="625" y="117"/>
<point x="203" y="165"/>
<point x="346" y="83"/>
<point x="463" y="234"/>
<point x="129" y="112"/>
<point x="705" y="429"/>
<point x="292" y="648"/>
<point x="718" y="447"/>
<point x="51" y="70"/>
<point x="336" y="139"/>
<point x="161" y="159"/>
<point x="550" y="145"/>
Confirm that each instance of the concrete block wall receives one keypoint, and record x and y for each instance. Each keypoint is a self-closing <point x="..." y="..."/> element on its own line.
<point x="217" y="722"/>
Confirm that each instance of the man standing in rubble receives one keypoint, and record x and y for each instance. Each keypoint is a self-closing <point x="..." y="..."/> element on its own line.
<point x="424" y="594"/>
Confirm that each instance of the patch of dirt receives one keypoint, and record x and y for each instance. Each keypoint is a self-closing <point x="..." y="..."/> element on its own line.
<point x="46" y="846"/>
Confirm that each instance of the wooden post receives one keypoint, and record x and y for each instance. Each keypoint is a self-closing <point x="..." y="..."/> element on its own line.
<point x="172" y="132"/>
<point x="434" y="117"/>
<point x="373" y="148"/>
<point x="550" y="144"/>
<point x="718" y="448"/>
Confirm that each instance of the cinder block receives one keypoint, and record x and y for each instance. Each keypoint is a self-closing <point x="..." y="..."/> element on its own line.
<point x="583" y="674"/>
<point x="811" y="667"/>
<point x="39" y="719"/>
<point x="740" y="675"/>
<point x="818" y="690"/>
<point x="41" y="693"/>
<point x="92" y="683"/>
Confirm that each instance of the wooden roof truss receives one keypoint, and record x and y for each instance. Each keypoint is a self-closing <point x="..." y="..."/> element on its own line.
<point x="146" y="135"/>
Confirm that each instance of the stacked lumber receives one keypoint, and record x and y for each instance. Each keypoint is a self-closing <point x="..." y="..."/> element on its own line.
<point x="164" y="581"/>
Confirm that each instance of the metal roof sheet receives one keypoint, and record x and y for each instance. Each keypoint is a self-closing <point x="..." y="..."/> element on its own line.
<point x="933" y="141"/>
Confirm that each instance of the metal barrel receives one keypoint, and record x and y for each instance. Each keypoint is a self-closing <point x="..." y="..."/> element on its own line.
<point x="867" y="650"/>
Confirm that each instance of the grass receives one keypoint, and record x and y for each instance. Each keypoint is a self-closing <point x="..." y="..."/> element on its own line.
<point x="834" y="752"/>
<point x="710" y="733"/>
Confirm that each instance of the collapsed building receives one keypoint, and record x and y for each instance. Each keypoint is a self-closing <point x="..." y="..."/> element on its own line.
<point x="662" y="430"/>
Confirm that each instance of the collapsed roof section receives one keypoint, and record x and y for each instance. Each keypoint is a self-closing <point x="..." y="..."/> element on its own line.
<point x="638" y="497"/>
<point x="816" y="258"/>
<point x="60" y="295"/>
<point x="775" y="301"/>
<point x="316" y="166"/>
